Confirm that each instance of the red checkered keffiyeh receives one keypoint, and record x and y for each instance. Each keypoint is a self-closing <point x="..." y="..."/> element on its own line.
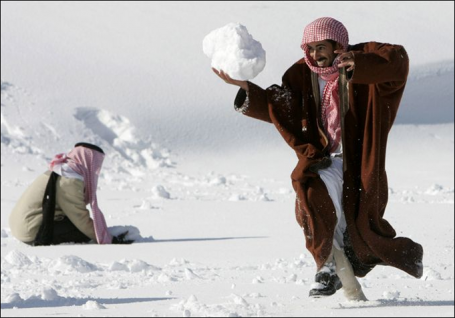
<point x="320" y="30"/>
<point x="87" y="163"/>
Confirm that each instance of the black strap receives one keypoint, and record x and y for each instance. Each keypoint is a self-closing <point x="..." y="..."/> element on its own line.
<point x="46" y="230"/>
<point x="90" y="146"/>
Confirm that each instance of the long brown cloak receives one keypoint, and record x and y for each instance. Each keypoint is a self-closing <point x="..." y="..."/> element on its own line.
<point x="369" y="99"/>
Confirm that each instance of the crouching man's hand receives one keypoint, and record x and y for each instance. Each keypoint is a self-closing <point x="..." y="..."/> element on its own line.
<point x="121" y="239"/>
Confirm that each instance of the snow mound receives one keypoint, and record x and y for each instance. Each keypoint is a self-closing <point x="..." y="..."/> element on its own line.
<point x="165" y="278"/>
<point x="13" y="299"/>
<point x="391" y="295"/>
<point x="437" y="189"/>
<point x="178" y="262"/>
<point x="137" y="266"/>
<point x="431" y="274"/>
<point x="190" y="275"/>
<point x="49" y="294"/>
<point x="118" y="267"/>
<point x="13" y="136"/>
<point x="233" y="50"/>
<point x="71" y="264"/>
<point x="119" y="133"/>
<point x="160" y="192"/>
<point x="93" y="305"/>
<point x="17" y="259"/>
<point x="236" y="306"/>
<point x="43" y="297"/>
<point x="132" y="266"/>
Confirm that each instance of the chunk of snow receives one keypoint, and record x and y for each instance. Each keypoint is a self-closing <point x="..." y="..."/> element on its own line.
<point x="49" y="294"/>
<point x="17" y="259"/>
<point x="160" y="192"/>
<point x="391" y="295"/>
<point x="71" y="264"/>
<point x="13" y="299"/>
<point x="93" y="305"/>
<point x="431" y="274"/>
<point x="233" y="50"/>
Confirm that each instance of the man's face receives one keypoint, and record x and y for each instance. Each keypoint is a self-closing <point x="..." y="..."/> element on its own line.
<point x="322" y="53"/>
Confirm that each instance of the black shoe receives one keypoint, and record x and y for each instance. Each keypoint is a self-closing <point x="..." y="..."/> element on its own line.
<point x="329" y="283"/>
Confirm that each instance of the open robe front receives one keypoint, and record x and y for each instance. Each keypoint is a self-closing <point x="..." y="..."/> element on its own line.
<point x="369" y="102"/>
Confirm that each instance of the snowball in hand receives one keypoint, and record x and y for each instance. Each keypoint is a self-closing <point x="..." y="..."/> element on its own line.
<point x="233" y="50"/>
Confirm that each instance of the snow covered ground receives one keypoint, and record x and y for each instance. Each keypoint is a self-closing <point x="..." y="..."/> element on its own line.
<point x="205" y="191"/>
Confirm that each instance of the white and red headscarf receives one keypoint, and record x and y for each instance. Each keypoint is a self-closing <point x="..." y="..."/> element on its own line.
<point x="320" y="30"/>
<point x="87" y="162"/>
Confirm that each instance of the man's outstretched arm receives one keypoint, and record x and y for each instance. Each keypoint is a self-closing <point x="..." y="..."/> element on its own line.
<point x="251" y="100"/>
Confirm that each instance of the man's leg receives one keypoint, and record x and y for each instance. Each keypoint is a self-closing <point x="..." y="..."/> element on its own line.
<point x="351" y="286"/>
<point x="66" y="232"/>
<point x="333" y="180"/>
<point x="326" y="280"/>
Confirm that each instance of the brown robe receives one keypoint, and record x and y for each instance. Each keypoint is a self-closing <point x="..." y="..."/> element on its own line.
<point x="369" y="102"/>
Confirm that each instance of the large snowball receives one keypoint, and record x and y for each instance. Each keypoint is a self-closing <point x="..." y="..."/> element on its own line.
<point x="233" y="50"/>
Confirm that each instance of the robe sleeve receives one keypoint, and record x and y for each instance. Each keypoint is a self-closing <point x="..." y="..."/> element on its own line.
<point x="379" y="63"/>
<point x="283" y="106"/>
<point x="254" y="103"/>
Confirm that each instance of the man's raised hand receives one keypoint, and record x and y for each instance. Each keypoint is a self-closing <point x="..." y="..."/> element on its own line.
<point x="227" y="79"/>
<point x="346" y="59"/>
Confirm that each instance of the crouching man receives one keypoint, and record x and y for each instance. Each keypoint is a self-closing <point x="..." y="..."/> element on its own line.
<point x="53" y="208"/>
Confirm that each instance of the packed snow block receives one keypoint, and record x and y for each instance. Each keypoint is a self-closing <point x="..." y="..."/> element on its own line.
<point x="233" y="50"/>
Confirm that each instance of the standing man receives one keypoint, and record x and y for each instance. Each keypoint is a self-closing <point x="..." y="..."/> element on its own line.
<point x="335" y="108"/>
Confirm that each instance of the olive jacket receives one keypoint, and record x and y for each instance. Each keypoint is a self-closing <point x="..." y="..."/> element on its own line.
<point x="27" y="215"/>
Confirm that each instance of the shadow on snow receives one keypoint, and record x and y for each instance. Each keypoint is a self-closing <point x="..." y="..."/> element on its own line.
<point x="68" y="302"/>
